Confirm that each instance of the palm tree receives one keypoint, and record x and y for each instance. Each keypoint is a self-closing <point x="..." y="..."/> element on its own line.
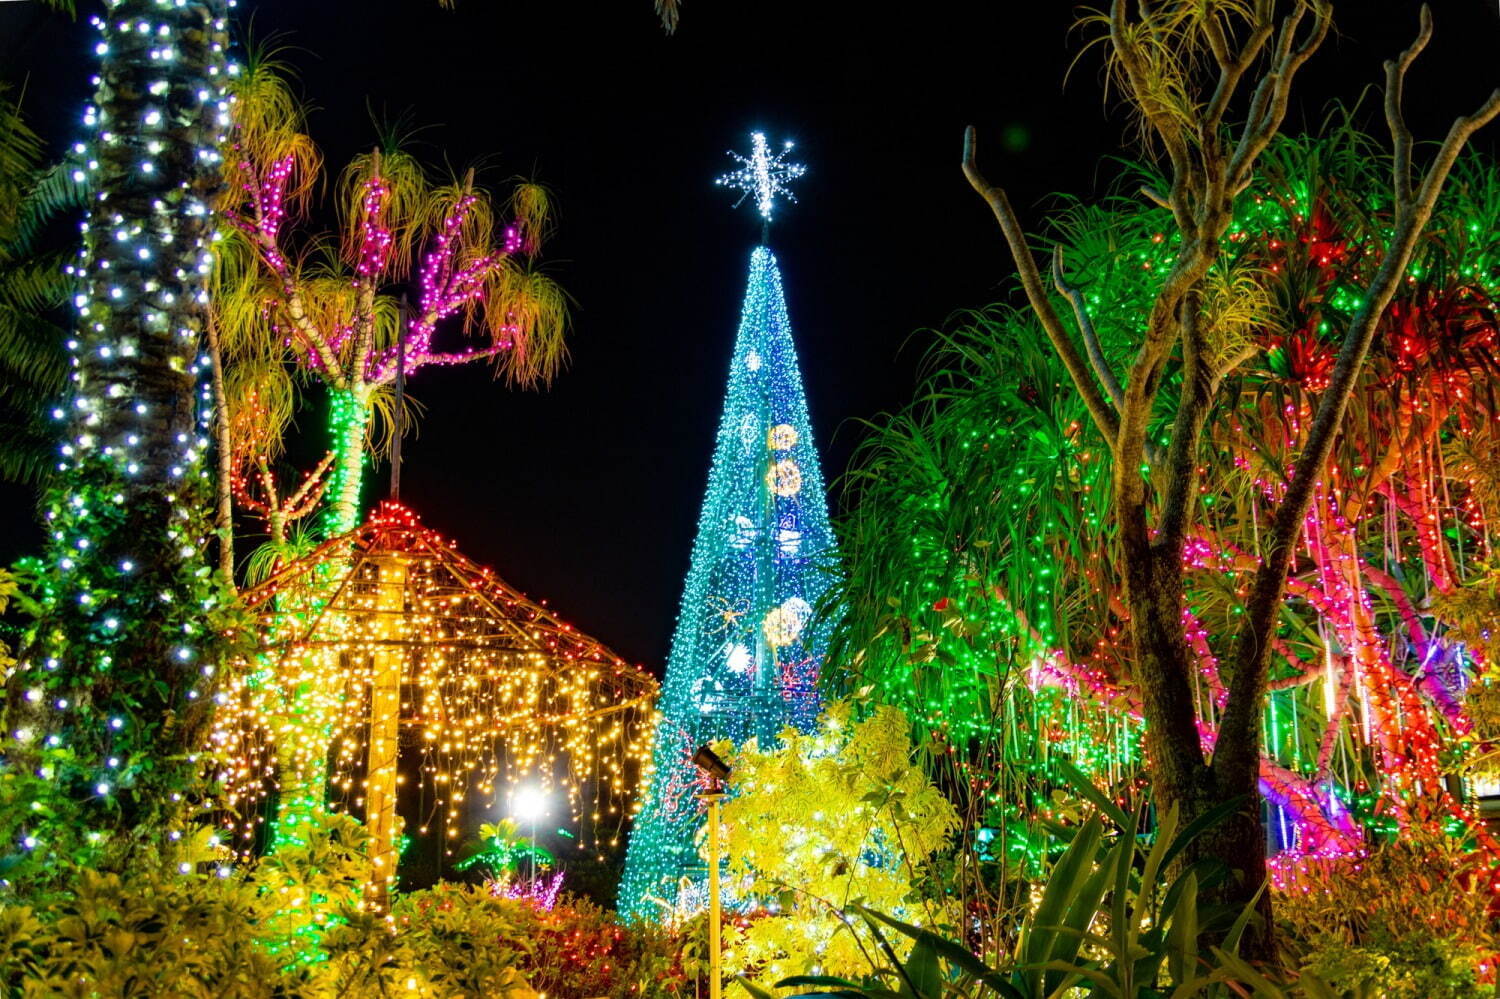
<point x="113" y="696"/>
<point x="333" y="311"/>
<point x="33" y="361"/>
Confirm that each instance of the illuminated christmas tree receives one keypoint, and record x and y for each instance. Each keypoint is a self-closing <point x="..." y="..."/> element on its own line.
<point x="748" y="646"/>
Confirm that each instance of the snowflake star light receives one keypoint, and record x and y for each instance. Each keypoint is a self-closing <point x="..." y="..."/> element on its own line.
<point x="764" y="175"/>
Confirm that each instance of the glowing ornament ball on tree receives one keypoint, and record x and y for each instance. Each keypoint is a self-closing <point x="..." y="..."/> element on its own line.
<point x="747" y="647"/>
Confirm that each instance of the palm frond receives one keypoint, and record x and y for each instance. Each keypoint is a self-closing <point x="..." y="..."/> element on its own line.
<point x="528" y="309"/>
<point x="262" y="563"/>
<point x="459" y="200"/>
<point x="268" y="128"/>
<point x="401" y="206"/>
<point x="50" y="193"/>
<point x="32" y="287"/>
<point x="29" y="456"/>
<point x="31" y="349"/>
<point x="532" y="212"/>
<point x="20" y="151"/>
<point x="382" y="427"/>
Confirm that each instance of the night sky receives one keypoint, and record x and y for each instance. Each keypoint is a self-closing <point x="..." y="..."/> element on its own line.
<point x="587" y="494"/>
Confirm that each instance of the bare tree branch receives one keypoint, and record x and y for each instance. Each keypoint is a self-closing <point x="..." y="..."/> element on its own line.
<point x="1232" y="67"/>
<point x="1086" y="330"/>
<point x="1194" y="402"/>
<point x="1031" y="279"/>
<point x="1268" y="106"/>
<point x="1395" y="83"/>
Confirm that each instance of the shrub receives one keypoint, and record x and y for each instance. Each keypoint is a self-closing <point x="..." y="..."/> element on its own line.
<point x="827" y="819"/>
<point x="1413" y="920"/>
<point x="575" y="950"/>
<point x="177" y="922"/>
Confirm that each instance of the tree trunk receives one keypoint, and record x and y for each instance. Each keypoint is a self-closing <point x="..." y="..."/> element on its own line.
<point x="348" y="422"/>
<point x="122" y="667"/>
<point x="312" y="696"/>
<point x="224" y="467"/>
<point x="1180" y="773"/>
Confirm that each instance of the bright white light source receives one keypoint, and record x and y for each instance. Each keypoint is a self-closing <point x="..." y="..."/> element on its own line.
<point x="763" y="175"/>
<point x="528" y="803"/>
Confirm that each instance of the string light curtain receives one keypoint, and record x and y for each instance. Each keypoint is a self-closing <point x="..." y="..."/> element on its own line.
<point x="411" y="641"/>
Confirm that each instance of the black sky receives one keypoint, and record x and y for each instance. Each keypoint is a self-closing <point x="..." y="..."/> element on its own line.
<point x="587" y="495"/>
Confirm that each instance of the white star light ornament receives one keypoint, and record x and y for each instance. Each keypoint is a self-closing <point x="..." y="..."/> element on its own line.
<point x="763" y="175"/>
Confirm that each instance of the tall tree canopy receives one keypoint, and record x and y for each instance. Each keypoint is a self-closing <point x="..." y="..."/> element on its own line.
<point x="1240" y="382"/>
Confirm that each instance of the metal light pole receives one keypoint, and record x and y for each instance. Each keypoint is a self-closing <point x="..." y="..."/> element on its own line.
<point x="715" y="960"/>
<point x="717" y="772"/>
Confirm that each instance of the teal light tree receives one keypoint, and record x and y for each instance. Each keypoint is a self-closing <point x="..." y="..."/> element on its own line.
<point x="748" y="647"/>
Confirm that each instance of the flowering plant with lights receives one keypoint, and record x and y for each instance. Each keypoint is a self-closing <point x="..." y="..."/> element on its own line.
<point x="840" y="815"/>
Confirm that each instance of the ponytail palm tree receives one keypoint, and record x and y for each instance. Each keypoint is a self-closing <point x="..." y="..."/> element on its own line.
<point x="421" y="273"/>
<point x="333" y="308"/>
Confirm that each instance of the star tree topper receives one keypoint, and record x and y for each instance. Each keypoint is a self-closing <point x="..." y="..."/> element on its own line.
<point x="763" y="175"/>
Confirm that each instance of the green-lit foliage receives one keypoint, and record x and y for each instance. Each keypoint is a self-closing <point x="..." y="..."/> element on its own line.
<point x="503" y="850"/>
<point x="982" y="589"/>
<point x="179" y="921"/>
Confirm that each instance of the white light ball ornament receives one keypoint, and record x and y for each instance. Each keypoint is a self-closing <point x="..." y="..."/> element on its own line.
<point x="783" y="624"/>
<point x="784" y="478"/>
<point x="738" y="659"/>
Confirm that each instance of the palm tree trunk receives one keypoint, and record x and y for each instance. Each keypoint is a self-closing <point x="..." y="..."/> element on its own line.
<point x="123" y="665"/>
<point x="224" y="513"/>
<point x="348" y="422"/>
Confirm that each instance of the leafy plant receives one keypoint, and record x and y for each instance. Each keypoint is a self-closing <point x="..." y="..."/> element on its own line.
<point x="1415" y="918"/>
<point x="502" y="849"/>
<point x="824" y="821"/>
<point x="1119" y="917"/>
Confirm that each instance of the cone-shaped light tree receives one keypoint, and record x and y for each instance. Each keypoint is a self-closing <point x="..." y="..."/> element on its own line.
<point x="748" y="647"/>
<point x="113" y="695"/>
